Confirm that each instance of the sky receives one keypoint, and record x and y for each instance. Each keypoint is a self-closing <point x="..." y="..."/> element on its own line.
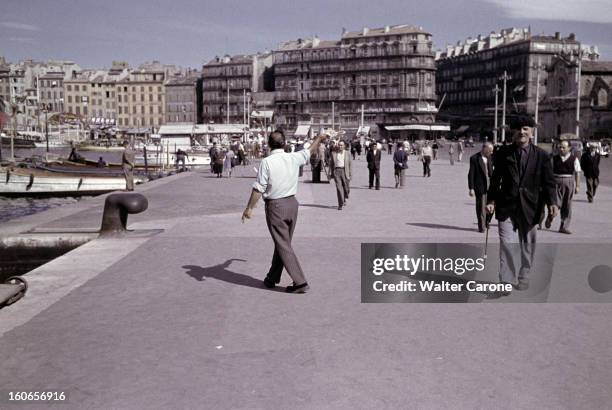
<point x="190" y="33"/>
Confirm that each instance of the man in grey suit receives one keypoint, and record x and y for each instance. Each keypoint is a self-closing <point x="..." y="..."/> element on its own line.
<point x="340" y="164"/>
<point x="479" y="179"/>
<point x="277" y="181"/>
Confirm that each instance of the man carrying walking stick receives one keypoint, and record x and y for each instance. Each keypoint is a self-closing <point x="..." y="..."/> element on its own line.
<point x="522" y="182"/>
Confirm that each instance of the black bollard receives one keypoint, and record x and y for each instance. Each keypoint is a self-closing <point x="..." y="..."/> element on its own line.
<point x="116" y="209"/>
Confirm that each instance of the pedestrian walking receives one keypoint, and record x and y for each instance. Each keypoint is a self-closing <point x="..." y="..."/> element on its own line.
<point x="400" y="163"/>
<point x="521" y="183"/>
<point x="434" y="149"/>
<point x="219" y="161"/>
<point x="566" y="168"/>
<point x="589" y="162"/>
<point x="373" y="160"/>
<point x="460" y="149"/>
<point x="281" y="207"/>
<point x="479" y="179"/>
<point x="229" y="163"/>
<point x="426" y="154"/>
<point x="212" y="154"/>
<point x="451" y="153"/>
<point x="128" y="160"/>
<point x="341" y="166"/>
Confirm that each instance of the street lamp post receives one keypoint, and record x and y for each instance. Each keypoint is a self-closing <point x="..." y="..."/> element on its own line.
<point x="496" y="90"/>
<point x="505" y="77"/>
<point x="579" y="55"/>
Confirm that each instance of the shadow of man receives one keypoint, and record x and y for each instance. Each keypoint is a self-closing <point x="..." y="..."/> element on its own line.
<point x="221" y="272"/>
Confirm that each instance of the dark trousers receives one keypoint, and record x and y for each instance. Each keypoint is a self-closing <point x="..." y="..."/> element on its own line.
<point x="342" y="185"/>
<point x="435" y="153"/>
<point x="374" y="173"/>
<point x="565" y="194"/>
<point x="426" y="166"/>
<point x="281" y="217"/>
<point x="481" y="211"/>
<point x="316" y="172"/>
<point x="129" y="178"/>
<point x="592" y="184"/>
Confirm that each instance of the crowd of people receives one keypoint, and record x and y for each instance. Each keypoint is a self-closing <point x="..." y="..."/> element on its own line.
<point x="517" y="182"/>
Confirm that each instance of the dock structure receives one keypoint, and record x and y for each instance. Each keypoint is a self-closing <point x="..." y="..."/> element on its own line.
<point x="173" y="313"/>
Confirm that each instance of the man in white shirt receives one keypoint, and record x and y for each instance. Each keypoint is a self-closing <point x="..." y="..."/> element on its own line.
<point x="566" y="168"/>
<point x="277" y="181"/>
<point x="341" y="170"/>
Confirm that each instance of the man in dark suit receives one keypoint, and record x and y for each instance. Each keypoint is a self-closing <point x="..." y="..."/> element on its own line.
<point x="373" y="158"/>
<point x="522" y="182"/>
<point x="479" y="179"/>
<point x="590" y="167"/>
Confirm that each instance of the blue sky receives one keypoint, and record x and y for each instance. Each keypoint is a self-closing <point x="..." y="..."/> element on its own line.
<point x="189" y="32"/>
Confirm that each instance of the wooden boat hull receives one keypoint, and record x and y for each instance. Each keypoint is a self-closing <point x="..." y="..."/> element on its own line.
<point x="20" y="182"/>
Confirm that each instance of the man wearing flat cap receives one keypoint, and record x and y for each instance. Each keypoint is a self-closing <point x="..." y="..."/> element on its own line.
<point x="522" y="183"/>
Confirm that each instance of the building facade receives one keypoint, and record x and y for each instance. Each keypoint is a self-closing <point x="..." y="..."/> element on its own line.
<point x="140" y="100"/>
<point x="384" y="75"/>
<point x="181" y="100"/>
<point x="471" y="73"/>
<point x="227" y="83"/>
<point x="558" y="109"/>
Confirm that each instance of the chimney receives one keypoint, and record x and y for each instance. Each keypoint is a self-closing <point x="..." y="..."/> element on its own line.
<point x="387" y="28"/>
<point x="572" y="37"/>
<point x="557" y="35"/>
<point x="365" y="31"/>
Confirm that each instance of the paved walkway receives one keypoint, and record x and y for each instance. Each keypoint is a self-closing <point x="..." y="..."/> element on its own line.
<point x="173" y="315"/>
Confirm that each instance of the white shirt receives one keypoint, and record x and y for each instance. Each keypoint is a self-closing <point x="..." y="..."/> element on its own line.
<point x="576" y="162"/>
<point x="426" y="151"/>
<point x="484" y="159"/>
<point x="278" y="173"/>
<point x="339" y="159"/>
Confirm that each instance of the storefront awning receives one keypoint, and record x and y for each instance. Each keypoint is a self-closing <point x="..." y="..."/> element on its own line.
<point x="302" y="130"/>
<point x="411" y="127"/>
<point x="418" y="127"/>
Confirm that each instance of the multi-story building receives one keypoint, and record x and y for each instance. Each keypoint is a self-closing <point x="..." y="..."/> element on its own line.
<point x="140" y="100"/>
<point x="384" y="75"/>
<point x="181" y="100"/>
<point x="469" y="74"/>
<point x="227" y="81"/>
<point x="557" y="112"/>
<point x="51" y="91"/>
<point x="77" y="93"/>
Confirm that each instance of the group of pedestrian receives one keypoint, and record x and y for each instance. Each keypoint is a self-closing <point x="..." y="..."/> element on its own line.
<point x="518" y="184"/>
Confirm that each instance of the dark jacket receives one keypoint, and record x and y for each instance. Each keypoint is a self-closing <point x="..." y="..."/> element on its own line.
<point x="479" y="174"/>
<point x="373" y="160"/>
<point x="521" y="198"/>
<point x="590" y="165"/>
<point x="399" y="159"/>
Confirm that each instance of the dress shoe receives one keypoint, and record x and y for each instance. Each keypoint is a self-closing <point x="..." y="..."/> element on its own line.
<point x="378" y="189"/>
<point x="521" y="285"/>
<point x="269" y="283"/>
<point x="340" y="208"/>
<point x="481" y="230"/>
<point x="565" y="231"/>
<point x="303" y="288"/>
<point x="548" y="222"/>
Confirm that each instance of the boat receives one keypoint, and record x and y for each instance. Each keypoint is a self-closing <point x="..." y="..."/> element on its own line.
<point x="19" y="141"/>
<point x="53" y="144"/>
<point x="35" y="182"/>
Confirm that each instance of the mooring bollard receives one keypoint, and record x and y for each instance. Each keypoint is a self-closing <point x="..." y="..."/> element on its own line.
<point x="116" y="209"/>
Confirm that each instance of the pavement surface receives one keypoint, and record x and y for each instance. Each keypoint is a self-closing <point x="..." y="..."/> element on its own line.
<point x="173" y="314"/>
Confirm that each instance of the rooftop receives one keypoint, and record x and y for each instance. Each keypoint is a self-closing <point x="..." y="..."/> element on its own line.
<point x="385" y="31"/>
